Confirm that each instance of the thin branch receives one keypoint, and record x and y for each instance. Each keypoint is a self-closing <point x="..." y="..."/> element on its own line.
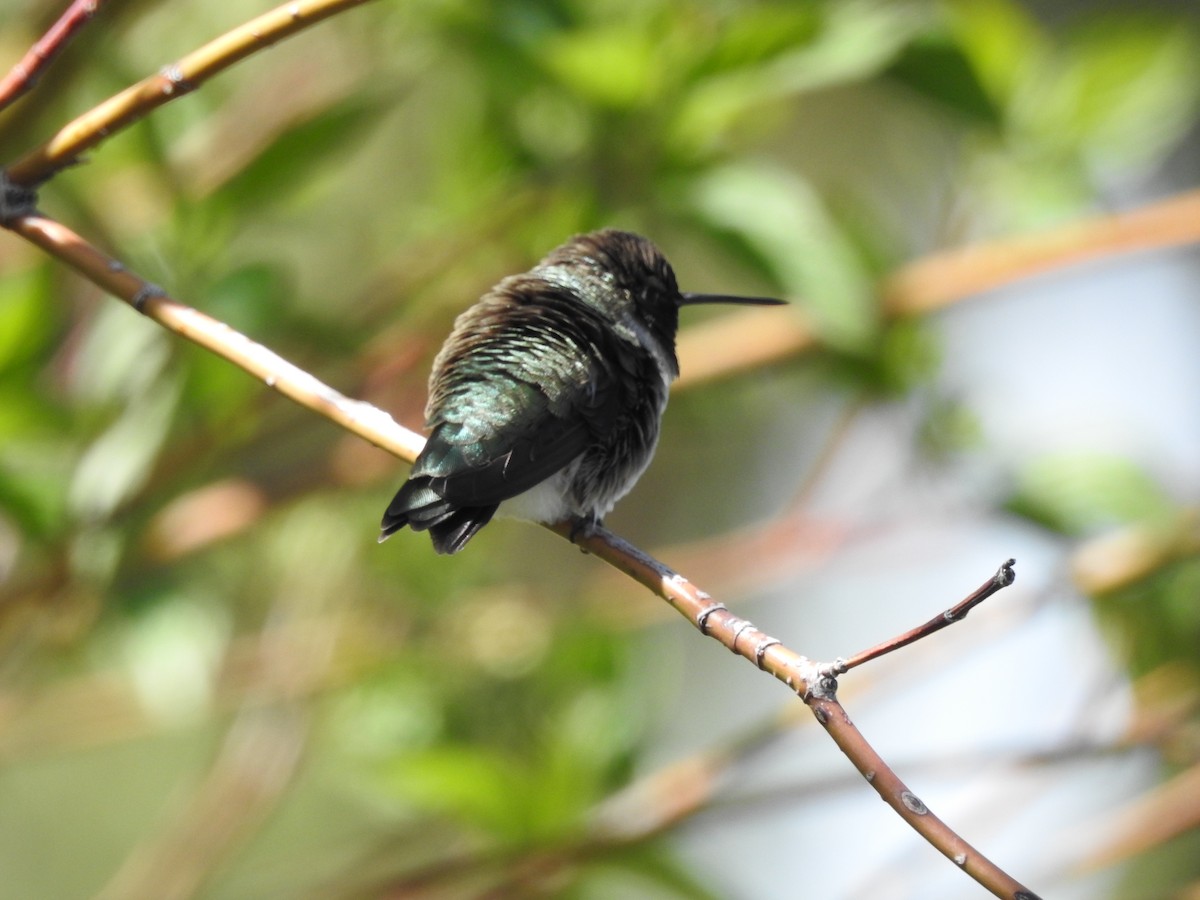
<point x="815" y="686"/>
<point x="259" y="760"/>
<point x="940" y="279"/>
<point x="174" y="80"/>
<point x="1003" y="578"/>
<point x="711" y="618"/>
<point x="910" y="807"/>
<point x="810" y="681"/>
<point x="742" y="340"/>
<point x="687" y="791"/>
<point x="25" y="74"/>
<point x="1166" y="812"/>
<point x="363" y="419"/>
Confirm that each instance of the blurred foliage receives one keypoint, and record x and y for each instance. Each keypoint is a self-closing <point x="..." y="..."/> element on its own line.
<point x="1074" y="493"/>
<point x="181" y="552"/>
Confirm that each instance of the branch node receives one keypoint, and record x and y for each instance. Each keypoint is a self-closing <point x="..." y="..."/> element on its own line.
<point x="1005" y="574"/>
<point x="16" y="200"/>
<point x="762" y="648"/>
<point x="743" y="625"/>
<point x="913" y="803"/>
<point x="823" y="687"/>
<point x="702" y="618"/>
<point x="145" y="294"/>
<point x="176" y="83"/>
<point x="835" y="668"/>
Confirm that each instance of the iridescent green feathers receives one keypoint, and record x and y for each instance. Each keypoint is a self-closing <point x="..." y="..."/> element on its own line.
<point x="548" y="394"/>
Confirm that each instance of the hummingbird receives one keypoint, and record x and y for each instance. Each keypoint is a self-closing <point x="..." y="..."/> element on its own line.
<point x="546" y="399"/>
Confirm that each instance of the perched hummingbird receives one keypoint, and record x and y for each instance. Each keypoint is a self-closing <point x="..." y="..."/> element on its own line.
<point x="545" y="401"/>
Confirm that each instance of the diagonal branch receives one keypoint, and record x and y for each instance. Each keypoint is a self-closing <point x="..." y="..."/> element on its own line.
<point x="1003" y="578"/>
<point x="811" y="681"/>
<point x="939" y="279"/>
<point x="748" y="338"/>
<point x="815" y="687"/>
<point x="131" y="104"/>
<point x="25" y="74"/>
<point x="367" y="421"/>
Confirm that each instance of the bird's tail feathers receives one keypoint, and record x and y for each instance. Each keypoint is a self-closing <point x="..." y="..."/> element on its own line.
<point x="422" y="508"/>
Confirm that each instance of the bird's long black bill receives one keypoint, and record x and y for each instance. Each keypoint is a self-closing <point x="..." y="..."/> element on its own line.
<point x="690" y="299"/>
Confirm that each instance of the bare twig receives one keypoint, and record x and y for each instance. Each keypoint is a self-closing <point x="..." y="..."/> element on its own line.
<point x="815" y="685"/>
<point x="910" y="807"/>
<point x="942" y="278"/>
<point x="1003" y="578"/>
<point x="1168" y="811"/>
<point x="172" y="81"/>
<point x="259" y="760"/>
<point x="25" y="74"/>
<point x="357" y="417"/>
<point x="741" y="340"/>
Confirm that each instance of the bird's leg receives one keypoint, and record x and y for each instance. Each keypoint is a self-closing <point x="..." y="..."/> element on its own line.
<point x="583" y="527"/>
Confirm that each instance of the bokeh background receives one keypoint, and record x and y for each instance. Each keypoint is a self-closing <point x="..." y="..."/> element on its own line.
<point x="213" y="682"/>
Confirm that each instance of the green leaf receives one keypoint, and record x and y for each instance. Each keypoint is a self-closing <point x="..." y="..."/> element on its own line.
<point x="855" y="41"/>
<point x="937" y="68"/>
<point x="644" y="870"/>
<point x="1134" y="83"/>
<point x="785" y="221"/>
<point x="472" y="783"/>
<point x="294" y="156"/>
<point x="27" y="314"/>
<point x="1077" y="493"/>
<point x="611" y="67"/>
<point x="759" y="33"/>
<point x="1002" y="43"/>
<point x="116" y="464"/>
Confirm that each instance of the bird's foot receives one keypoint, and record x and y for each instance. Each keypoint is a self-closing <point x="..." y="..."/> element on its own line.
<point x="582" y="528"/>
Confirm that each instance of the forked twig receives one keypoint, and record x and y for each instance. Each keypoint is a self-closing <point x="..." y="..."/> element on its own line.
<point x="174" y="80"/>
<point x="816" y="686"/>
<point x="25" y="74"/>
<point x="1003" y="578"/>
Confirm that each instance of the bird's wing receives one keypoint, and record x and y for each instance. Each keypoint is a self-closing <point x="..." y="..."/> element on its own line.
<point x="515" y="404"/>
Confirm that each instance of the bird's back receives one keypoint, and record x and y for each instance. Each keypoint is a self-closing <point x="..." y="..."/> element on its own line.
<point x="530" y="382"/>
